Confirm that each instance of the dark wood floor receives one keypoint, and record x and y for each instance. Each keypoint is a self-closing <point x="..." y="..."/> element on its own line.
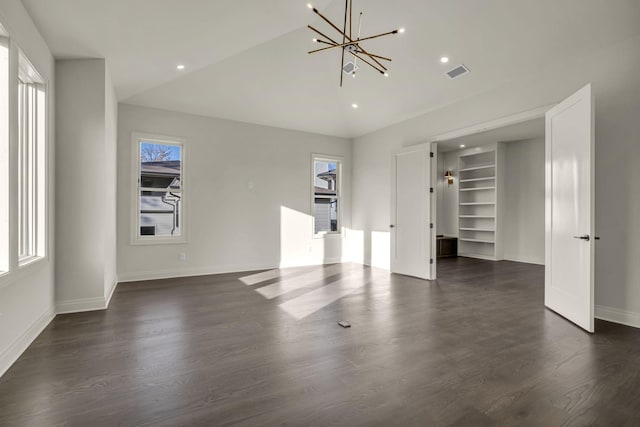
<point x="474" y="348"/>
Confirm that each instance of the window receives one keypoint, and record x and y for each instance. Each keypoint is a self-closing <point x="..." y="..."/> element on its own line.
<point x="159" y="193"/>
<point x="4" y="151"/>
<point x="326" y="195"/>
<point x="31" y="162"/>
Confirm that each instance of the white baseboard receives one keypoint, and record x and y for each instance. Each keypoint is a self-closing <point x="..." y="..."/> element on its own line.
<point x="139" y="276"/>
<point x="527" y="260"/>
<point x="85" y="304"/>
<point x="616" y="315"/>
<point x="110" y="293"/>
<point x="80" y="305"/>
<point x="11" y="354"/>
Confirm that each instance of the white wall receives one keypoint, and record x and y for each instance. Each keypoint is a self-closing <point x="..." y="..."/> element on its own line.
<point x="617" y="91"/>
<point x="524" y="202"/>
<point x="85" y="156"/>
<point x="26" y="295"/>
<point x="232" y="225"/>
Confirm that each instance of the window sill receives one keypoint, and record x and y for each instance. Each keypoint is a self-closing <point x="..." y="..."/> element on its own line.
<point x="24" y="262"/>
<point x="329" y="235"/>
<point x="159" y="241"/>
<point x="24" y="270"/>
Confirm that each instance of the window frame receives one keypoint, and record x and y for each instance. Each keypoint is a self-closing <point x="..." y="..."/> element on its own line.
<point x="31" y="170"/>
<point x="5" y="149"/>
<point x="135" y="238"/>
<point x="339" y="161"/>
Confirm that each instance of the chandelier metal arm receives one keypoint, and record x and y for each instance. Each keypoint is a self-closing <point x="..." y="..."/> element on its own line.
<point x="323" y="35"/>
<point x="355" y="43"/>
<point x="368" y="63"/>
<point x="325" y="42"/>
<point x="376" y="56"/>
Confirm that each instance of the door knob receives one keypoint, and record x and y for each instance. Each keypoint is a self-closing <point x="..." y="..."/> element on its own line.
<point x="391" y="226"/>
<point x="585" y="237"/>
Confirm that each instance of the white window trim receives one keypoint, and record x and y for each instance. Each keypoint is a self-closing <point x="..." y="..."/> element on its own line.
<point x="27" y="74"/>
<point x="339" y="161"/>
<point x="6" y="247"/>
<point x="136" y="239"/>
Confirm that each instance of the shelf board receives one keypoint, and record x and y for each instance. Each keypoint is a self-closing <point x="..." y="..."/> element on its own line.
<point x="476" y="240"/>
<point x="478" y="188"/>
<point x="477" y="168"/>
<point x="477" y="216"/>
<point x="477" y="203"/>
<point x="488" y="230"/>
<point x="477" y="179"/>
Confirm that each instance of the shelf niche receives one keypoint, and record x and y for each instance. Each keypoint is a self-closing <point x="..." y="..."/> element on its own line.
<point x="480" y="202"/>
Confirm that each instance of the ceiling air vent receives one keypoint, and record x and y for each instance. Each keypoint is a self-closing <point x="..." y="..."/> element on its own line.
<point x="350" y="67"/>
<point x="460" y="70"/>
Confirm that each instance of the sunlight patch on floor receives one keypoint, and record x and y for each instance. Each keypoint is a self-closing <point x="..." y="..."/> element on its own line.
<point x="317" y="299"/>
<point x="290" y="284"/>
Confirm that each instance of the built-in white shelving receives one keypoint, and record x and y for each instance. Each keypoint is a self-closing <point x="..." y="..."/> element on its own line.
<point x="464" y="239"/>
<point x="478" y="179"/>
<point x="477" y="168"/>
<point x="478" y="188"/>
<point x="477" y="203"/>
<point x="477" y="229"/>
<point x="479" y="198"/>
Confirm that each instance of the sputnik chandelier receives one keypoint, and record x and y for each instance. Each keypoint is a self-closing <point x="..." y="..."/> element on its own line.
<point x="351" y="45"/>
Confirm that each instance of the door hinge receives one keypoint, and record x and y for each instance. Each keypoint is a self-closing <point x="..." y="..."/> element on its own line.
<point x="431" y="154"/>
<point x="430" y="225"/>
<point x="430" y="260"/>
<point x="430" y="189"/>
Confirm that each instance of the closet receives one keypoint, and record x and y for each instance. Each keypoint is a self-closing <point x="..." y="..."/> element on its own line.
<point x="490" y="195"/>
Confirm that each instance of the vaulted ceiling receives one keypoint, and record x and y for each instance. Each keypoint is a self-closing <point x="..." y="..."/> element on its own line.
<point x="247" y="60"/>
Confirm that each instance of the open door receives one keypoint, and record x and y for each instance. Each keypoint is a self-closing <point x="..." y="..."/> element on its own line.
<point x="411" y="248"/>
<point x="569" y="218"/>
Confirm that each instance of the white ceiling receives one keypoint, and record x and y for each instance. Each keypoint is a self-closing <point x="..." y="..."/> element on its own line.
<point x="247" y="59"/>
<point x="530" y="129"/>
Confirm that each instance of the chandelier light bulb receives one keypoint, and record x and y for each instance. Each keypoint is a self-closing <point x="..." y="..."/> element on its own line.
<point x="401" y="30"/>
<point x="354" y="106"/>
<point x="309" y="5"/>
<point x="314" y="40"/>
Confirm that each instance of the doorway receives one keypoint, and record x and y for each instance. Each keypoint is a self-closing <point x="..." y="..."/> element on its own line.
<point x="496" y="204"/>
<point x="490" y="194"/>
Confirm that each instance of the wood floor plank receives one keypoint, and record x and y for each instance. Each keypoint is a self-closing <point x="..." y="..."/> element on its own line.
<point x="476" y="347"/>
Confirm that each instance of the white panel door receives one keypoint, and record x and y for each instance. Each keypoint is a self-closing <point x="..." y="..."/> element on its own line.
<point x="411" y="213"/>
<point x="569" y="219"/>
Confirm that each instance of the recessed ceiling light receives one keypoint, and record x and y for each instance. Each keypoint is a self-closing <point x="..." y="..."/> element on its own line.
<point x="180" y="67"/>
<point x="462" y="146"/>
<point x="401" y="30"/>
<point x="354" y="106"/>
<point x="444" y="59"/>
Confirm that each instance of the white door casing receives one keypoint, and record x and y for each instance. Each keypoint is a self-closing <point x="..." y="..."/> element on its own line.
<point x="569" y="209"/>
<point x="411" y="234"/>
